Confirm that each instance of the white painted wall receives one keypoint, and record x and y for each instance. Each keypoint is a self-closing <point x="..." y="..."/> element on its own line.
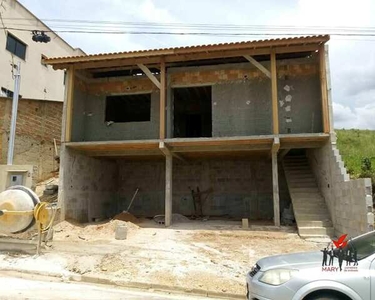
<point x="37" y="80"/>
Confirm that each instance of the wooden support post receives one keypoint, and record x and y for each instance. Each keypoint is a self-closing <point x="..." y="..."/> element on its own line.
<point x="324" y="91"/>
<point x="275" y="184"/>
<point x="258" y="65"/>
<point x="275" y="113"/>
<point x="168" y="190"/>
<point x="163" y="87"/>
<point x="69" y="104"/>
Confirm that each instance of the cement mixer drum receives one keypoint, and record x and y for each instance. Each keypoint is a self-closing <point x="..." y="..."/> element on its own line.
<point x="17" y="198"/>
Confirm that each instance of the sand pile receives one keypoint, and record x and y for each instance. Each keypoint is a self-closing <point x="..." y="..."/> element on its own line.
<point x="68" y="230"/>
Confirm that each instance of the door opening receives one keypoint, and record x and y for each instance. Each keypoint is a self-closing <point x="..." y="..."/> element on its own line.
<point x="192" y="112"/>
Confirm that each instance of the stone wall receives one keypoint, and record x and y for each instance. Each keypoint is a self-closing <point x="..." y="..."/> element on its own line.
<point x="38" y="123"/>
<point x="349" y="201"/>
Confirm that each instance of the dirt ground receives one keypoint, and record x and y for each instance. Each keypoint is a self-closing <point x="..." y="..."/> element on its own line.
<point x="212" y="255"/>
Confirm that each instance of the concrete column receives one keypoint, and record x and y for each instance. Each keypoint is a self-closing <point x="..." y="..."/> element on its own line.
<point x="275" y="184"/>
<point x="168" y="189"/>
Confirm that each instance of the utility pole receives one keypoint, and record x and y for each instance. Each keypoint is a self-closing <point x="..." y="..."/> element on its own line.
<point x="13" y="122"/>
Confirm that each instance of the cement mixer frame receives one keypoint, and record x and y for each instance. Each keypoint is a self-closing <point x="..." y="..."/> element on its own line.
<point x="40" y="213"/>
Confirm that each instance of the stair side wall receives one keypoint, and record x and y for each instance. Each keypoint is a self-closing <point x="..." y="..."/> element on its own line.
<point x="349" y="201"/>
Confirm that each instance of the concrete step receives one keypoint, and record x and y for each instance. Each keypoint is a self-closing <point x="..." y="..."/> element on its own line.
<point x="305" y="190"/>
<point x="318" y="223"/>
<point x="297" y="167"/>
<point x="299" y="175"/>
<point x="305" y="195"/>
<point x="323" y="216"/>
<point x="293" y="174"/>
<point x="312" y="206"/>
<point x="298" y="198"/>
<point x="301" y="181"/>
<point x="316" y="231"/>
<point x="306" y="184"/>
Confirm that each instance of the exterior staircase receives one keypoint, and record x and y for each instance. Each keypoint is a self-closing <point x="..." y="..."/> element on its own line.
<point x="310" y="210"/>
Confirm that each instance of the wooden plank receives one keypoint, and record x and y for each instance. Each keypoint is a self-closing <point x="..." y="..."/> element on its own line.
<point x="166" y="151"/>
<point x="69" y="104"/>
<point x="258" y="65"/>
<point x="163" y="89"/>
<point x="221" y="141"/>
<point x="275" y="186"/>
<point x="150" y="75"/>
<point x="324" y="91"/>
<point x="222" y="148"/>
<point x="275" y="113"/>
<point x="168" y="189"/>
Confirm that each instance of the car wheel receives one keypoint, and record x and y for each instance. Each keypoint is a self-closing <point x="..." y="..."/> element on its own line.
<point x="326" y="296"/>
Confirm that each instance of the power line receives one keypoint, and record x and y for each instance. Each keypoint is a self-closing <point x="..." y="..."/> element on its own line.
<point x="210" y="26"/>
<point x="207" y="33"/>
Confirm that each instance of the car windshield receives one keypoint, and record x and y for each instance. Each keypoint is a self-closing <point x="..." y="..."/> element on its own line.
<point x="364" y="245"/>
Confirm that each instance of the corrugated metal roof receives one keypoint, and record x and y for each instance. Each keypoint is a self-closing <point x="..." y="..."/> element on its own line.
<point x="190" y="49"/>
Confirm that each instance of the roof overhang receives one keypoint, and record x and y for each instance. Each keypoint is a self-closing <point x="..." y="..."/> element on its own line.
<point x="201" y="52"/>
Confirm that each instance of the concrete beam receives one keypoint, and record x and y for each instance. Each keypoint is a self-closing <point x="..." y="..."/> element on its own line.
<point x="150" y="75"/>
<point x="258" y="65"/>
<point x="168" y="189"/>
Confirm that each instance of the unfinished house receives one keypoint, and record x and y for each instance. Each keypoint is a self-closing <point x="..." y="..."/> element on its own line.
<point x="248" y="124"/>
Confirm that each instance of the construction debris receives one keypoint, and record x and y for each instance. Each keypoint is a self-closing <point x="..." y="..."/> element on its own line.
<point x="160" y="219"/>
<point x="126" y="217"/>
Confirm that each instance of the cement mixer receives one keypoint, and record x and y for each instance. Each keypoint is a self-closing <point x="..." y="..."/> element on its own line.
<point x="21" y="209"/>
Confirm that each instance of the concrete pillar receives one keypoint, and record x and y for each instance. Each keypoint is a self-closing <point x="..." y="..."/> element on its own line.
<point x="275" y="184"/>
<point x="168" y="189"/>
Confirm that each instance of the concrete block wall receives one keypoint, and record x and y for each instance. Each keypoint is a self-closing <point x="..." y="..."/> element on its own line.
<point x="241" y="101"/>
<point x="149" y="177"/>
<point x="38" y="123"/>
<point x="89" y="112"/>
<point x="89" y="186"/>
<point x="241" y="188"/>
<point x="300" y="108"/>
<point x="349" y="201"/>
<point x="241" y="96"/>
<point x="242" y="108"/>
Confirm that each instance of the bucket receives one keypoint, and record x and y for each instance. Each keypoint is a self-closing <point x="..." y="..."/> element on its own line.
<point x="121" y="232"/>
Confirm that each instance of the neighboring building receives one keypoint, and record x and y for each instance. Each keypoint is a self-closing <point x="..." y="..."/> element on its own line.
<point x="38" y="122"/>
<point x="250" y="123"/>
<point x="39" y="81"/>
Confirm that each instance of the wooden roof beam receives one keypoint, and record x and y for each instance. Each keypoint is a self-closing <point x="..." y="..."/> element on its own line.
<point x="123" y="62"/>
<point x="258" y="65"/>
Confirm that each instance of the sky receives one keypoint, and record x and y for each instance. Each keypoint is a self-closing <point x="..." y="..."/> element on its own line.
<point x="352" y="61"/>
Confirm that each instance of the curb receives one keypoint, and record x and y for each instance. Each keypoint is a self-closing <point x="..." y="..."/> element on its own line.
<point x="128" y="284"/>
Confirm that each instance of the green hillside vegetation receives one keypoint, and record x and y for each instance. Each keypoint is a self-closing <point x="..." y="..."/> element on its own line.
<point x="357" y="148"/>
